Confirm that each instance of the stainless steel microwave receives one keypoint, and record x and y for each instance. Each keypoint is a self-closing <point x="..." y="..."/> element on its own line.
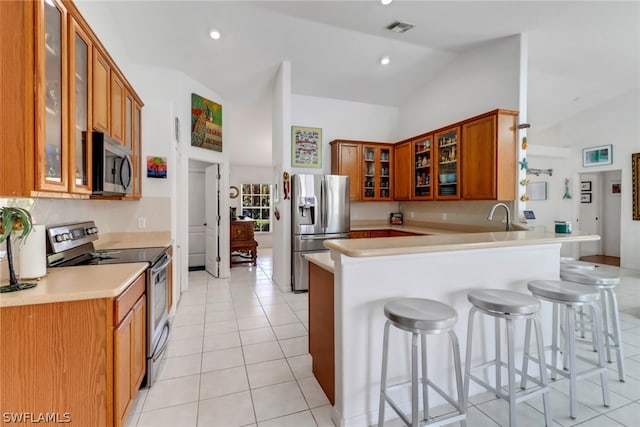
<point x="112" y="168"/>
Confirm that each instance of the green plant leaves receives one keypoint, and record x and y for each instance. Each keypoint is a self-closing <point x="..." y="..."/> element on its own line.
<point x="14" y="220"/>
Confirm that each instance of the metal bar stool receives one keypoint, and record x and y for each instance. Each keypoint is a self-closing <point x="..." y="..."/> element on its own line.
<point x="421" y="317"/>
<point x="510" y="306"/>
<point x="570" y="295"/>
<point x="605" y="283"/>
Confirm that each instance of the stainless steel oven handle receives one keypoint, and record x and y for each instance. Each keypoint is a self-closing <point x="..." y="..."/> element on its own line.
<point x="163" y="341"/>
<point x="164" y="265"/>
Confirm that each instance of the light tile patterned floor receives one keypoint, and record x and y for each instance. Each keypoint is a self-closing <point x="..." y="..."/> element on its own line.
<point x="238" y="356"/>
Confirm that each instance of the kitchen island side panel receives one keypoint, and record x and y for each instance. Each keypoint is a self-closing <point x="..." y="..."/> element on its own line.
<point x="362" y="287"/>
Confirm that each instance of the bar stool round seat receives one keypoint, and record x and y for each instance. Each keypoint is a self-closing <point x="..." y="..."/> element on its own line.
<point x="419" y="314"/>
<point x="571" y="296"/>
<point x="421" y="317"/>
<point x="588" y="277"/>
<point x="504" y="301"/>
<point x="563" y="291"/>
<point x="605" y="284"/>
<point x="509" y="306"/>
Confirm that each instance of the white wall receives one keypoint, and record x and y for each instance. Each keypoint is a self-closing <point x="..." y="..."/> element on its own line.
<point x="281" y="161"/>
<point x="477" y="81"/>
<point x="614" y="122"/>
<point x="341" y="119"/>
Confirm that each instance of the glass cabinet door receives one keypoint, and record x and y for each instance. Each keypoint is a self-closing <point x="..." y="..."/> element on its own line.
<point x="385" y="173"/>
<point x="370" y="155"/>
<point x="422" y="187"/>
<point x="79" y="135"/>
<point x="52" y="97"/>
<point x="448" y="166"/>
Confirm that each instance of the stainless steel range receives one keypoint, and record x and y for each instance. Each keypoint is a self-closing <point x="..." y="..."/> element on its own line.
<point x="72" y="244"/>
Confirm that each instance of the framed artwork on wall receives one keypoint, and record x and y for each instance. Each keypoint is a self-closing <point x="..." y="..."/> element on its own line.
<point x="306" y="147"/>
<point x="615" y="187"/>
<point x="206" y="123"/>
<point x="585" y="198"/>
<point x="597" y="156"/>
<point x="585" y="186"/>
<point x="635" y="184"/>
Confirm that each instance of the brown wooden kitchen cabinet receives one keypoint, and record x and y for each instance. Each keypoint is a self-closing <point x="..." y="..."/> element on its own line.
<point x="346" y="159"/>
<point x="56" y="88"/>
<point x="321" y="329"/>
<point x="243" y="246"/>
<point x="117" y="108"/>
<point x="489" y="156"/>
<point x="101" y="91"/>
<point x="83" y="358"/>
<point x="129" y="355"/>
<point x="402" y="171"/>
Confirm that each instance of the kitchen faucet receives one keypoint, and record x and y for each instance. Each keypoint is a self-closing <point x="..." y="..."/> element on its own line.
<point x="493" y="209"/>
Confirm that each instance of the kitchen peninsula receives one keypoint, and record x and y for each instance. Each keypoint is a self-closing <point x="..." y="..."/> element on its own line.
<point x="369" y="272"/>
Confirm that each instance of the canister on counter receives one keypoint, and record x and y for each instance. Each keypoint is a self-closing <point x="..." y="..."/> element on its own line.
<point x="563" y="227"/>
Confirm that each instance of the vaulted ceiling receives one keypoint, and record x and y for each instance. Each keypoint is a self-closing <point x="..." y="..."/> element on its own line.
<point x="580" y="53"/>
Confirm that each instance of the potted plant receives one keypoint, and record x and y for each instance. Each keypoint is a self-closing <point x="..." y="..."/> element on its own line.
<point x="14" y="221"/>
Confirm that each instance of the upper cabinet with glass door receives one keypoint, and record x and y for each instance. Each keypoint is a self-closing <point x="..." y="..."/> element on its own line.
<point x="423" y="176"/>
<point x="378" y="161"/>
<point x="80" y="109"/>
<point x="51" y="172"/>
<point x="447" y="164"/>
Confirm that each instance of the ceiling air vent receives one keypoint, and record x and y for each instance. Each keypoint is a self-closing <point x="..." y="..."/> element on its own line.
<point x="399" y="27"/>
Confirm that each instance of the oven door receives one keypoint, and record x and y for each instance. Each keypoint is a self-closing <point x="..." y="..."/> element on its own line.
<point x="157" y="315"/>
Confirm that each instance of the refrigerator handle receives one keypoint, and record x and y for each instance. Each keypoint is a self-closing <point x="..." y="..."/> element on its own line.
<point x="323" y="204"/>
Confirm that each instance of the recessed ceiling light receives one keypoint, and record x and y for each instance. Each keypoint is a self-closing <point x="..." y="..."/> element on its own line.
<point x="214" y="34"/>
<point x="386" y="2"/>
<point x="385" y="60"/>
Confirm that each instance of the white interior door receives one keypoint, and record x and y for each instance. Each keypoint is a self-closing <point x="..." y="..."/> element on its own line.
<point x="212" y="218"/>
<point x="591" y="212"/>
<point x="197" y="218"/>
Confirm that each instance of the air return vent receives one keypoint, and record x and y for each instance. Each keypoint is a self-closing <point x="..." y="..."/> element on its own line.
<point x="399" y="27"/>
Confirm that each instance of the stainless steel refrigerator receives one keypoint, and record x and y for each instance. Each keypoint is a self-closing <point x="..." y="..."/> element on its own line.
<point x="320" y="210"/>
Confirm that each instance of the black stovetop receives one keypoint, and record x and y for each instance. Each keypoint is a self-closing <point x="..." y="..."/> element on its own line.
<point x="115" y="256"/>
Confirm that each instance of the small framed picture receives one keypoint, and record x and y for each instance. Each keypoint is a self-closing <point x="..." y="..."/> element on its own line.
<point x="597" y="156"/>
<point x="585" y="198"/>
<point x="585" y="186"/>
<point x="616" y="188"/>
<point x="529" y="215"/>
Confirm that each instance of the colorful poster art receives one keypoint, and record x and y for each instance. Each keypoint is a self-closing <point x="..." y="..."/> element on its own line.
<point x="206" y="123"/>
<point x="306" y="147"/>
<point x="156" y="167"/>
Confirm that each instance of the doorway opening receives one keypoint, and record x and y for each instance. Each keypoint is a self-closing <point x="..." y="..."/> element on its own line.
<point x="204" y="216"/>
<point x="601" y="213"/>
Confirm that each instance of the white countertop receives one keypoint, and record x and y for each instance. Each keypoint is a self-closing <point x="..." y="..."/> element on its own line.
<point x="321" y="259"/>
<point x="77" y="283"/>
<point x="382" y="246"/>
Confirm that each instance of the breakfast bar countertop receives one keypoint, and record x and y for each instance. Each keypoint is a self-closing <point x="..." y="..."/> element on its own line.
<point x="76" y="283"/>
<point x="382" y="246"/>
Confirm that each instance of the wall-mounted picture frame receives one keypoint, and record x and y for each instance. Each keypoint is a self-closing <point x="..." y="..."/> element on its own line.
<point x="585" y="186"/>
<point x="156" y="167"/>
<point x="597" y="156"/>
<point x="635" y="184"/>
<point x="615" y="188"/>
<point x="585" y="198"/>
<point x="306" y="147"/>
<point x="206" y="123"/>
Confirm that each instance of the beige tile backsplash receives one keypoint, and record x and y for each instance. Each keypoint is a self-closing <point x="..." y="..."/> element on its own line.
<point x="109" y="215"/>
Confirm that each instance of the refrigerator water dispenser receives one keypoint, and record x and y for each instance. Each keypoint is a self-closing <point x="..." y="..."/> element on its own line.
<point x="307" y="210"/>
